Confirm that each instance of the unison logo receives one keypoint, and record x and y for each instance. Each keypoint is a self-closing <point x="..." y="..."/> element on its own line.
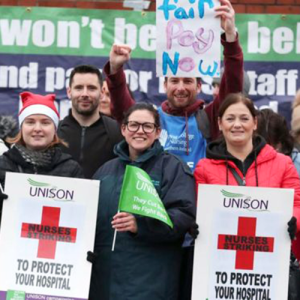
<point x="142" y="177"/>
<point x="235" y="200"/>
<point x="42" y="189"/>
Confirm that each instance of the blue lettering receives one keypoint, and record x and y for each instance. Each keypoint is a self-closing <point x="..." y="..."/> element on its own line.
<point x="208" y="71"/>
<point x="180" y="14"/>
<point x="166" y="7"/>
<point x="201" y="6"/>
<point x="191" y="13"/>
<point x="168" y="62"/>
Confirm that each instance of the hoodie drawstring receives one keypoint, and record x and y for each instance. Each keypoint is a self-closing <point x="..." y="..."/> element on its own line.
<point x="256" y="173"/>
<point x="227" y="170"/>
<point x="187" y="133"/>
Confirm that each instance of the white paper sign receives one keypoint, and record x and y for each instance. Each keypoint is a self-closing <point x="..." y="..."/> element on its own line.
<point x="188" y="38"/>
<point x="48" y="225"/>
<point x="243" y="249"/>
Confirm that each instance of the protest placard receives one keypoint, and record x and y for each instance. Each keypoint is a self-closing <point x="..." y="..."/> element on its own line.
<point x="48" y="226"/>
<point x="188" y="38"/>
<point x="243" y="249"/>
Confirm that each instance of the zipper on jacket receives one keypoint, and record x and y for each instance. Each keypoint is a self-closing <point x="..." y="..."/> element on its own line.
<point x="244" y="178"/>
<point x="83" y="129"/>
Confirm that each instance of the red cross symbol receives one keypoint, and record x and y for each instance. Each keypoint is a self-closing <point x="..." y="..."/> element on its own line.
<point x="49" y="232"/>
<point x="245" y="243"/>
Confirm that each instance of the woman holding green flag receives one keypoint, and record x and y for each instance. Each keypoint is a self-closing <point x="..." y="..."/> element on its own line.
<point x="145" y="262"/>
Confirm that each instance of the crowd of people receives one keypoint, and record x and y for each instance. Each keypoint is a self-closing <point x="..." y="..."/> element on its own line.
<point x="181" y="144"/>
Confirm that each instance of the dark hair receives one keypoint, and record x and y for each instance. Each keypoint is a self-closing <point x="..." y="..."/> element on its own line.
<point x="84" y="69"/>
<point x="234" y="99"/>
<point x="142" y="106"/>
<point x="274" y="128"/>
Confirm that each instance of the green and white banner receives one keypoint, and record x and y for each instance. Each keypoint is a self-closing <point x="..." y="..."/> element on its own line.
<point x="139" y="196"/>
<point x="39" y="47"/>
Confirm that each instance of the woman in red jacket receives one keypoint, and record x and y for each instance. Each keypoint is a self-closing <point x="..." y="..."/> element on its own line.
<point x="255" y="162"/>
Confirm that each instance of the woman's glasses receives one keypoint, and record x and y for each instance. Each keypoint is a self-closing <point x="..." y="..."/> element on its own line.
<point x="147" y="127"/>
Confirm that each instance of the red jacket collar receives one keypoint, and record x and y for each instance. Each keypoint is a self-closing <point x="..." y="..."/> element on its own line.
<point x="182" y="111"/>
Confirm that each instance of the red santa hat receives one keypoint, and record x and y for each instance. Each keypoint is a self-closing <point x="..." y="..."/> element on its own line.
<point x="38" y="104"/>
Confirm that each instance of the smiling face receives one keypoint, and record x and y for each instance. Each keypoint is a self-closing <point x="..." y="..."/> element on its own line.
<point x="181" y="91"/>
<point x="38" y="132"/>
<point x="237" y="125"/>
<point x="85" y="93"/>
<point x="140" y="141"/>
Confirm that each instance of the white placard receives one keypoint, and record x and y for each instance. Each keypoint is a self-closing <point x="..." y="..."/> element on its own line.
<point x="188" y="38"/>
<point x="48" y="225"/>
<point x="243" y="248"/>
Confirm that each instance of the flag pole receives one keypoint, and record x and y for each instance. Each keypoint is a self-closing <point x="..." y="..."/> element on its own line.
<point x="1" y="188"/>
<point x="115" y="233"/>
<point x="114" y="240"/>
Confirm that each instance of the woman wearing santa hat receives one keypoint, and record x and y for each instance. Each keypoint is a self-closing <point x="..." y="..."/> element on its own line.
<point x="36" y="146"/>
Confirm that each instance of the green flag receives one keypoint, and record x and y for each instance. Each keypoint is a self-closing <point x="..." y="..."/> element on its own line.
<point x="139" y="196"/>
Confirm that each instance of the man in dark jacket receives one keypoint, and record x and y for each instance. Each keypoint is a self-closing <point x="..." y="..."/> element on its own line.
<point x="90" y="136"/>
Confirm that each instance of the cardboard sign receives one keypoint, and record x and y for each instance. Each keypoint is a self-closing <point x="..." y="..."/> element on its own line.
<point x="48" y="225"/>
<point x="188" y="38"/>
<point x="243" y="249"/>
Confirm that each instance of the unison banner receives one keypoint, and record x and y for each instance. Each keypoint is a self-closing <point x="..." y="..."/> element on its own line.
<point x="48" y="226"/>
<point x="243" y="249"/>
<point x="39" y="47"/>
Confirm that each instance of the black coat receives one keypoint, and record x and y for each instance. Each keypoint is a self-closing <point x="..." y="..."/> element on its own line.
<point x="62" y="165"/>
<point x="144" y="266"/>
<point x="90" y="146"/>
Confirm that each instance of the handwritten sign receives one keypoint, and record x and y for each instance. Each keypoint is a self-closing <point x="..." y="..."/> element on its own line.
<point x="188" y="38"/>
<point x="243" y="231"/>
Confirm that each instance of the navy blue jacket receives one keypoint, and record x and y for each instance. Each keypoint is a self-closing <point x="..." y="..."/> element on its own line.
<point x="143" y="265"/>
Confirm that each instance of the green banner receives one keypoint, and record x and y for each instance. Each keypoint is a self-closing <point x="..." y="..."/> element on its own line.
<point x="139" y="196"/>
<point x="269" y="37"/>
<point x="71" y="31"/>
<point x="86" y="32"/>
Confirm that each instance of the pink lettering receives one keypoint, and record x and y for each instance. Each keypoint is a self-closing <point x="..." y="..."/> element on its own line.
<point x="171" y="31"/>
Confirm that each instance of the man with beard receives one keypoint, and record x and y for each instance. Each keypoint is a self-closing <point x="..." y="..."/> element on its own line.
<point x="90" y="135"/>
<point x="186" y="124"/>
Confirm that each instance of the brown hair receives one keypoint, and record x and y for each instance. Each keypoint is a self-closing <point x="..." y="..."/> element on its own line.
<point x="234" y="99"/>
<point x="274" y="128"/>
<point x="18" y="139"/>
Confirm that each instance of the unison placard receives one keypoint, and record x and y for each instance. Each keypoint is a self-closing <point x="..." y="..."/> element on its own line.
<point x="48" y="226"/>
<point x="243" y="249"/>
